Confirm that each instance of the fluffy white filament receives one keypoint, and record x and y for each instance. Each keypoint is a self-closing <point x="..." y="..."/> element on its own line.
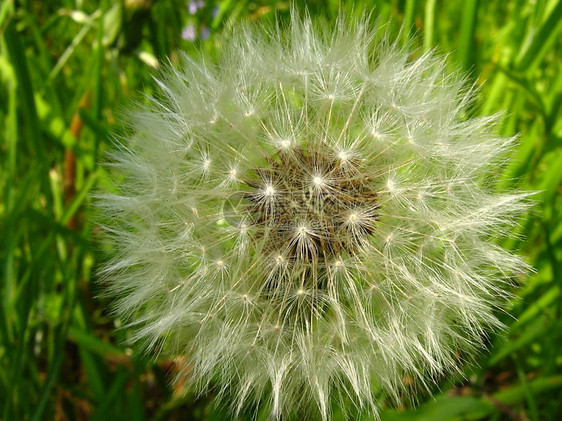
<point x="309" y="220"/>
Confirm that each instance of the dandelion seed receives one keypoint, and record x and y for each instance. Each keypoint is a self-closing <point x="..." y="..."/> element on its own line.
<point x="335" y="244"/>
<point x="318" y="181"/>
<point x="343" y="156"/>
<point x="390" y="185"/>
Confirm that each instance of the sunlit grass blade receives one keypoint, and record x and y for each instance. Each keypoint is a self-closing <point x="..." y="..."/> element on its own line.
<point x="467" y="34"/>
<point x="546" y="35"/>
<point x="429" y="25"/>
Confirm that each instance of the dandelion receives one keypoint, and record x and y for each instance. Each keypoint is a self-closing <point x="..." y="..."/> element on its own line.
<point x="311" y="222"/>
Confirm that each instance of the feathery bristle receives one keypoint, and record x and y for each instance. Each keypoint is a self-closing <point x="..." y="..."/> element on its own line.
<point x="307" y="221"/>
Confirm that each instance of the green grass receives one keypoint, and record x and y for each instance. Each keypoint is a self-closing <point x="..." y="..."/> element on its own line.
<point x="66" y="71"/>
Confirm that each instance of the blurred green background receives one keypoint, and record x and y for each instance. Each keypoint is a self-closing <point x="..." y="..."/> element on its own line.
<point x="68" y="66"/>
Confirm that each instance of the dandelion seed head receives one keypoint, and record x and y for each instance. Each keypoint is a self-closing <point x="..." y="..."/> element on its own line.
<point x="305" y="222"/>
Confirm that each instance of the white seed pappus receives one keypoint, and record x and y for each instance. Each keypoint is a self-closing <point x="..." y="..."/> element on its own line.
<point x="310" y="220"/>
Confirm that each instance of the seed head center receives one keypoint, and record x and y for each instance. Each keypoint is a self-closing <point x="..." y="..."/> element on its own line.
<point x="313" y="211"/>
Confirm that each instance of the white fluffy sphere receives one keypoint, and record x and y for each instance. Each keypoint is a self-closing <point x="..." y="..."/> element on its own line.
<point x="310" y="219"/>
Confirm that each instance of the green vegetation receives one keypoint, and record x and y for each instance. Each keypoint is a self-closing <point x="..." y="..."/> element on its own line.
<point x="67" y="69"/>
